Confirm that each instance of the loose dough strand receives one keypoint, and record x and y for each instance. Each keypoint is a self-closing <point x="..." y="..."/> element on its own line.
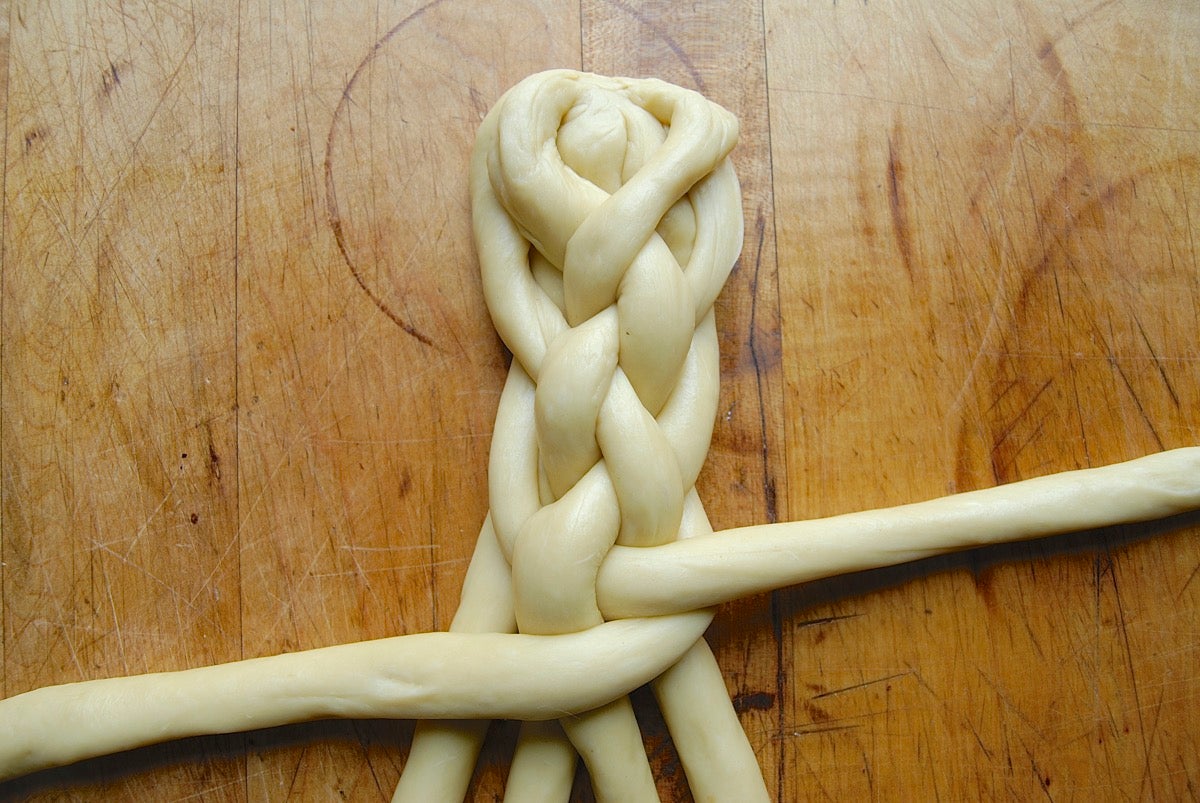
<point x="750" y="560"/>
<point x="424" y="676"/>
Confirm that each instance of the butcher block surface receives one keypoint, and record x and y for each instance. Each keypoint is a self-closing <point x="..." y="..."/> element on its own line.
<point x="249" y="380"/>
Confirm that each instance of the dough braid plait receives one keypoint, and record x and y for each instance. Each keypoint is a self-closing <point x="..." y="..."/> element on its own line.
<point x="607" y="217"/>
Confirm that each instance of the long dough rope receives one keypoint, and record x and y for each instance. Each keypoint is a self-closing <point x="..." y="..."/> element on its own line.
<point x="607" y="218"/>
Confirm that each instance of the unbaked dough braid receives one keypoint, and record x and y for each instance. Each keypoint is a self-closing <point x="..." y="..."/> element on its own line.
<point x="607" y="218"/>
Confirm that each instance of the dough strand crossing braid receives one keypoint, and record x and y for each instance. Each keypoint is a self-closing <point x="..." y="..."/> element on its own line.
<point x="607" y="217"/>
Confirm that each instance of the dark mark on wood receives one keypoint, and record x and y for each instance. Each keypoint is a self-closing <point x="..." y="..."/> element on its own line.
<point x="855" y="686"/>
<point x="35" y="135"/>
<point x="763" y="360"/>
<point x="332" y="211"/>
<point x="110" y="80"/>
<point x="823" y="729"/>
<point x="826" y="620"/>
<point x="901" y="226"/>
<point x="753" y="701"/>
<point x="816" y="713"/>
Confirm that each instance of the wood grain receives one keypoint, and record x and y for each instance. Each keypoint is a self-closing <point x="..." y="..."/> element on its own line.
<point x="248" y="382"/>
<point x="119" y="414"/>
<point x="985" y="219"/>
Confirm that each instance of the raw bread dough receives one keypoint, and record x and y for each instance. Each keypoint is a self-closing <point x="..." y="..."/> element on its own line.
<point x="607" y="217"/>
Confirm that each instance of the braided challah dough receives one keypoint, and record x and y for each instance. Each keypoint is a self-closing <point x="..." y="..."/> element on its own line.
<point x="607" y="217"/>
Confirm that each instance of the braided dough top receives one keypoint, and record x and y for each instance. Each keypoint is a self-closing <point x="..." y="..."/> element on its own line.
<point x="607" y="217"/>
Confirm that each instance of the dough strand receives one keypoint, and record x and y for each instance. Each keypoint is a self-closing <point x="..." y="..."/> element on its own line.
<point x="438" y="675"/>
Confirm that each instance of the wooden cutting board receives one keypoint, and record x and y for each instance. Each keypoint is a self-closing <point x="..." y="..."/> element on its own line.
<point x="249" y="381"/>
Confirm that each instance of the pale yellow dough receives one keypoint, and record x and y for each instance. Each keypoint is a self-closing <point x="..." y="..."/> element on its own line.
<point x="607" y="217"/>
